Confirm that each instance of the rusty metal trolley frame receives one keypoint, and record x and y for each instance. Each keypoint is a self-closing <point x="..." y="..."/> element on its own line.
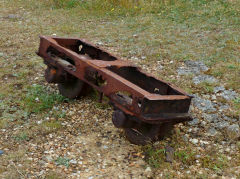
<point x="145" y="107"/>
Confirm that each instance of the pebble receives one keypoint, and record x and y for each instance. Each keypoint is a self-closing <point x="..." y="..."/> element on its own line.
<point x="226" y="94"/>
<point x="197" y="156"/>
<point x="1" y="152"/>
<point x="13" y="16"/>
<point x="49" y="158"/>
<point x="195" y="121"/>
<point x="204" y="78"/>
<point x="169" y="152"/>
<point x="148" y="172"/>
<point x="227" y="149"/>
<point x="192" y="67"/>
<point x="203" y="104"/>
<point x="212" y="131"/>
<point x="105" y="147"/>
<point x="194" y="141"/>
<point x="214" y="97"/>
<point x="211" y="117"/>
<point x="73" y="161"/>
<point x="222" y="124"/>
<point x="233" y="130"/>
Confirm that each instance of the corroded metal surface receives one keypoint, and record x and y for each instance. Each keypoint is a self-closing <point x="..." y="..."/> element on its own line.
<point x="129" y="89"/>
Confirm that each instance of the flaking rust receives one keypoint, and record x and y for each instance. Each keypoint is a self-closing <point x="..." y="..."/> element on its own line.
<point x="145" y="107"/>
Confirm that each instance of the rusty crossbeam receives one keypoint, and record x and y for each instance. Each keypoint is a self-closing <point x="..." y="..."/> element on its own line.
<point x="138" y="98"/>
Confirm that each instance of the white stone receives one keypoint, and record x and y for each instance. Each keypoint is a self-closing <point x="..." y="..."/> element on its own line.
<point x="194" y="141"/>
<point x="148" y="169"/>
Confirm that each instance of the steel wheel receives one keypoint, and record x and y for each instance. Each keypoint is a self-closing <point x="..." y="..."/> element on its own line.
<point x="73" y="88"/>
<point x="147" y="133"/>
<point x="137" y="137"/>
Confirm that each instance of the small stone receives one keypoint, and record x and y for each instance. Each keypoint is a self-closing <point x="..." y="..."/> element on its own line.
<point x="148" y="169"/>
<point x="169" y="152"/>
<point x="39" y="122"/>
<point x="192" y="67"/>
<point x="13" y="16"/>
<point x="160" y="67"/>
<point x="214" y="97"/>
<point x="211" y="117"/>
<point x="49" y="158"/>
<point x="195" y="121"/>
<point x="218" y="88"/>
<point x="212" y="131"/>
<point x="227" y="149"/>
<point x="229" y="94"/>
<point x="233" y="131"/>
<point x="73" y="161"/>
<point x="105" y="147"/>
<point x="185" y="138"/>
<point x="222" y="124"/>
<point x="99" y="43"/>
<point x="203" y="123"/>
<point x="203" y="104"/>
<point x="1" y="152"/>
<point x="194" y="141"/>
<point x="204" y="78"/>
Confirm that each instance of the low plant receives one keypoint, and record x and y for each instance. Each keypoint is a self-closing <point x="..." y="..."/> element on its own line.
<point x="62" y="161"/>
<point x="39" y="99"/>
<point x="22" y="136"/>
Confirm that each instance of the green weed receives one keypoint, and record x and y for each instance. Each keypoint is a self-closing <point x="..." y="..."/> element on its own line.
<point x="185" y="156"/>
<point x="22" y="136"/>
<point x="62" y="161"/>
<point x="207" y="87"/>
<point x="214" y="162"/>
<point x="154" y="157"/>
<point x="38" y="99"/>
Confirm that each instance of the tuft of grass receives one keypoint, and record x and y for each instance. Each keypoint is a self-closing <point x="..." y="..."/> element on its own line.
<point x="154" y="157"/>
<point x="206" y="87"/>
<point x="185" y="156"/>
<point x="38" y="99"/>
<point x="22" y="136"/>
<point x="66" y="4"/>
<point x="51" y="125"/>
<point x="215" y="162"/>
<point x="62" y="161"/>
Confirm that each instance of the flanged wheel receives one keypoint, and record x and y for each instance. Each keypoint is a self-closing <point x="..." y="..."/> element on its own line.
<point x="73" y="88"/>
<point x="147" y="133"/>
<point x="137" y="137"/>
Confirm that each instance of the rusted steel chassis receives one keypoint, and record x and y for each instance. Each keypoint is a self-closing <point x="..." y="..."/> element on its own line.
<point x="145" y="107"/>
